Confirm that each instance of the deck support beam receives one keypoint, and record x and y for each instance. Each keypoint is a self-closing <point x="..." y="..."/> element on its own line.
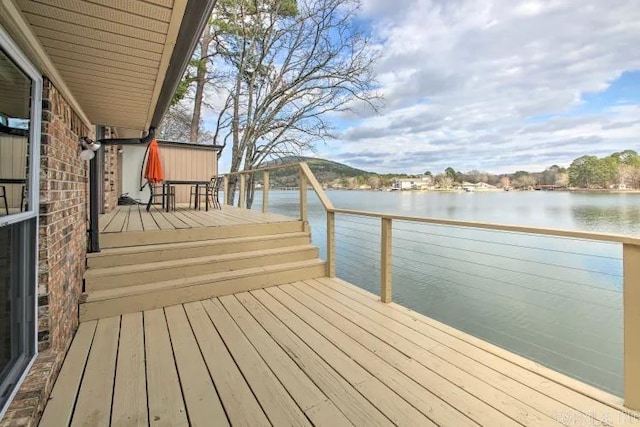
<point x="265" y="191"/>
<point x="331" y="244"/>
<point x="631" y="308"/>
<point x="226" y="189"/>
<point x="385" y="262"/>
<point x="303" y="196"/>
<point x="242" y="204"/>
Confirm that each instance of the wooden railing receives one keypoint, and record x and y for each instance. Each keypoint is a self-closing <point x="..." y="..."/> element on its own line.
<point x="630" y="254"/>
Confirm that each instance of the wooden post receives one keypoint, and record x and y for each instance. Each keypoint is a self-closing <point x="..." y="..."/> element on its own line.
<point x="265" y="191"/>
<point x="331" y="244"/>
<point x="226" y="189"/>
<point x="631" y="308"/>
<point x="241" y="197"/>
<point x="385" y="261"/>
<point x="303" y="195"/>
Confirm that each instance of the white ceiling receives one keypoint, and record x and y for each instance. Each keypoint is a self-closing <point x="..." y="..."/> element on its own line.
<point x="112" y="54"/>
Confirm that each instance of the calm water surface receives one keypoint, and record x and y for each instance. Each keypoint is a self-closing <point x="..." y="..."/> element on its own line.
<point x="556" y="301"/>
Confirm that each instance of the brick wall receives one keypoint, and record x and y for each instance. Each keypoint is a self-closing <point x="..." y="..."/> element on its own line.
<point x="63" y="220"/>
<point x="62" y="250"/>
<point x="111" y="177"/>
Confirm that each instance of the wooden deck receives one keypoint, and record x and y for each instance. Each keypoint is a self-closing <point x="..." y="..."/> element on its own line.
<point x="136" y="218"/>
<point x="318" y="352"/>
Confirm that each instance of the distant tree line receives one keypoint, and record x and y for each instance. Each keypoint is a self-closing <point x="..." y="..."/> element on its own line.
<point x="620" y="170"/>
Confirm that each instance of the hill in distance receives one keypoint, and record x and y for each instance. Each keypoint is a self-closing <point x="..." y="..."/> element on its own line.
<point x="325" y="170"/>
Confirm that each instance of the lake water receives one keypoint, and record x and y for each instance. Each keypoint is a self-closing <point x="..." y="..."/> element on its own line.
<point x="555" y="301"/>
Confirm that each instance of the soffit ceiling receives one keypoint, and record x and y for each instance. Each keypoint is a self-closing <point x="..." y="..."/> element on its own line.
<point x="112" y="54"/>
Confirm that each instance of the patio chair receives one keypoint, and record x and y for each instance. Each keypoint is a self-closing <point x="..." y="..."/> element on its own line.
<point x="213" y="190"/>
<point x="167" y="195"/>
<point x="3" y="195"/>
<point x="210" y="194"/>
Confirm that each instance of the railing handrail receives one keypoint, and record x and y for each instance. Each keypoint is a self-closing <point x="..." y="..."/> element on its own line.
<point x="268" y="168"/>
<point x="554" y="232"/>
<point x="313" y="181"/>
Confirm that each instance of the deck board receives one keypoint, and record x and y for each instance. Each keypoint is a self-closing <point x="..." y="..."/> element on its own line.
<point x="94" y="400"/>
<point x="412" y="390"/>
<point x="239" y="402"/>
<point x="491" y="386"/>
<point x="130" y="390"/>
<point x="59" y="409"/>
<point x="166" y="406"/>
<point x="118" y="222"/>
<point x="148" y="221"/>
<point x="273" y="397"/>
<point x="485" y="403"/>
<point x="405" y="322"/>
<point x="307" y="395"/>
<point x="135" y="218"/>
<point x="201" y="397"/>
<point x="105" y="219"/>
<point x="317" y="352"/>
<point x="378" y="387"/>
<point x="352" y="404"/>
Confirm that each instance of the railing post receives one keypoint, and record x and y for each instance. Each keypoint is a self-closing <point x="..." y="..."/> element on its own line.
<point x="631" y="309"/>
<point x="303" y="195"/>
<point x="331" y="244"/>
<point x="265" y="191"/>
<point x="241" y="197"/>
<point x="385" y="261"/>
<point x="226" y="189"/>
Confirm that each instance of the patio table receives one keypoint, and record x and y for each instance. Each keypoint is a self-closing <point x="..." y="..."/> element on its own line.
<point x="167" y="186"/>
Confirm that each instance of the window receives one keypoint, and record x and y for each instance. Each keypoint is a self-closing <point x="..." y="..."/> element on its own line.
<point x="20" y="106"/>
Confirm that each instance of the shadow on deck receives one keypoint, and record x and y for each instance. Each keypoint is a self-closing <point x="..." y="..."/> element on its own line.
<point x="315" y="352"/>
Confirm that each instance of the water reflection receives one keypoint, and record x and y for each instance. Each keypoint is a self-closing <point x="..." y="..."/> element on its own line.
<point x="595" y="217"/>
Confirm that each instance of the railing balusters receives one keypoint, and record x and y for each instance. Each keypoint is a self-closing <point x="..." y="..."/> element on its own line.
<point x="303" y="195"/>
<point x="331" y="244"/>
<point x="631" y="309"/>
<point x="385" y="261"/>
<point x="265" y="191"/>
<point x="242" y="201"/>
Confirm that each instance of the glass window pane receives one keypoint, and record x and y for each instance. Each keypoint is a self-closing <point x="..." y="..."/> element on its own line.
<point x="18" y="234"/>
<point x="15" y="103"/>
<point x="17" y="301"/>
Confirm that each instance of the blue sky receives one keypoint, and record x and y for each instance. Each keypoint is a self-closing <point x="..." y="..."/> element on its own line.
<point x="496" y="85"/>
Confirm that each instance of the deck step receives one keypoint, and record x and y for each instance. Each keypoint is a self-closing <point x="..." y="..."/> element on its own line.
<point x="133" y="255"/>
<point x="112" y="302"/>
<point x="153" y="272"/>
<point x="141" y="238"/>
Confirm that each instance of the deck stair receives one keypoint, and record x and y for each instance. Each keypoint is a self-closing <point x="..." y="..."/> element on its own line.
<point x="154" y="270"/>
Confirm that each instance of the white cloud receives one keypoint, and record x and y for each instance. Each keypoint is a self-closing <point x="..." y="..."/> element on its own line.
<point x="465" y="79"/>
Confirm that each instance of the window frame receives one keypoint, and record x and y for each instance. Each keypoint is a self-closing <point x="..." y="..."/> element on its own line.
<point x="10" y="48"/>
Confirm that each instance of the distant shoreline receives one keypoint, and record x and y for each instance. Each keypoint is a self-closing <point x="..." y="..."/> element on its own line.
<point x="564" y="190"/>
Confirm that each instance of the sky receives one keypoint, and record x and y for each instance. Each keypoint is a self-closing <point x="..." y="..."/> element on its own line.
<point x="496" y="85"/>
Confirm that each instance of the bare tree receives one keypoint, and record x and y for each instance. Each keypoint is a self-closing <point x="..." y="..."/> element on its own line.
<point x="176" y="126"/>
<point x="202" y="76"/>
<point x="288" y="70"/>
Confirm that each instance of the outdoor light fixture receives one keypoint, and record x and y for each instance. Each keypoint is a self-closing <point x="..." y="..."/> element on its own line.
<point x="88" y="148"/>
